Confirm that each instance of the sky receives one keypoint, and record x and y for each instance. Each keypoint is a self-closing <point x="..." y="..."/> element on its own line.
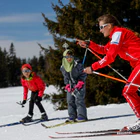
<point x="21" y="23"/>
<point x="103" y="117"/>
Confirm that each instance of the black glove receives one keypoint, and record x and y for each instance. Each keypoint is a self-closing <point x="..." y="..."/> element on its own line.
<point x="47" y="85"/>
<point x="38" y="99"/>
<point x="23" y="102"/>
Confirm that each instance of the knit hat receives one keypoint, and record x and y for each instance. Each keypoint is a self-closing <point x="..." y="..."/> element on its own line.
<point x="26" y="66"/>
<point x="68" y="51"/>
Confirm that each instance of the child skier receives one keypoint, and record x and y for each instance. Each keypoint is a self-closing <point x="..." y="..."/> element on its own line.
<point x="75" y="80"/>
<point x="30" y="81"/>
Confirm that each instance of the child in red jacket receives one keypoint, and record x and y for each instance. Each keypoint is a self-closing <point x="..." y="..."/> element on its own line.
<point x="30" y="81"/>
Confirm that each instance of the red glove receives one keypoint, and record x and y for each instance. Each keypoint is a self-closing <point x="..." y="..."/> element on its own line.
<point x="67" y="88"/>
<point x="79" y="85"/>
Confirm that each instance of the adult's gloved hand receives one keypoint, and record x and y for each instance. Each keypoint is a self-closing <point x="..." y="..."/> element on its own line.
<point x="38" y="99"/>
<point x="79" y="85"/>
<point x="67" y="88"/>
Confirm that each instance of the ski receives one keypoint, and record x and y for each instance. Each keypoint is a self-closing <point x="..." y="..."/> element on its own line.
<point x="16" y="123"/>
<point x="118" y="133"/>
<point x="95" y="119"/>
<point x="34" y="121"/>
<point x="61" y="124"/>
<point x="56" y="125"/>
<point x="84" y="132"/>
<point x="10" y="124"/>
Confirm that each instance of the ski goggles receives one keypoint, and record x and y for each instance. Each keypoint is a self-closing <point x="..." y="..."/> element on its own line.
<point x="69" y="56"/>
<point x="104" y="25"/>
<point x="26" y="71"/>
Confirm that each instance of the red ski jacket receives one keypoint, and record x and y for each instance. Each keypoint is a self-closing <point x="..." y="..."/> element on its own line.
<point x="123" y="42"/>
<point x="34" y="83"/>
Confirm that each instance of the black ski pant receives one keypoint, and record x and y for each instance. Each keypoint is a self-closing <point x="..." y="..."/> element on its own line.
<point x="33" y="101"/>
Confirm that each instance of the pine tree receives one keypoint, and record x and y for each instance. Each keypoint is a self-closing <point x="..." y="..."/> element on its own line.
<point x="13" y="65"/>
<point x="3" y="69"/>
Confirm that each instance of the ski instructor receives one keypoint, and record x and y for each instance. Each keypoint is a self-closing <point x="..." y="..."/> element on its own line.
<point x="126" y="44"/>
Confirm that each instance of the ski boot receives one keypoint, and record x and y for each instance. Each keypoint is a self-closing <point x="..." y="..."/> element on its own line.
<point x="27" y="119"/>
<point x="44" y="117"/>
<point x="132" y="127"/>
<point x="79" y="119"/>
<point x="70" y="120"/>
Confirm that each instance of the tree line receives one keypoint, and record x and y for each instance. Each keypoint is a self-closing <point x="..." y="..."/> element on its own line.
<point x="11" y="64"/>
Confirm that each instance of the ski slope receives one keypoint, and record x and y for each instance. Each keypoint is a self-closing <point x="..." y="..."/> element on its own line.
<point x="114" y="116"/>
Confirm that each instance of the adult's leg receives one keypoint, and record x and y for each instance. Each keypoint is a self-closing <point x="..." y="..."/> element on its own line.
<point x="130" y="91"/>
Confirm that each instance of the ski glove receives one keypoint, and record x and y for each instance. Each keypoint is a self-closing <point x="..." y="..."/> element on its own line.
<point x="67" y="88"/>
<point x="23" y="102"/>
<point x="38" y="99"/>
<point x="47" y="85"/>
<point x="79" y="85"/>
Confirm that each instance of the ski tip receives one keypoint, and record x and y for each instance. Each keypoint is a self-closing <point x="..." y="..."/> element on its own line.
<point x="44" y="125"/>
<point x="60" y="133"/>
<point x="51" y="137"/>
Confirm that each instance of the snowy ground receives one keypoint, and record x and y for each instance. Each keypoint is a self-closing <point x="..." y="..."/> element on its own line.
<point x="115" y="116"/>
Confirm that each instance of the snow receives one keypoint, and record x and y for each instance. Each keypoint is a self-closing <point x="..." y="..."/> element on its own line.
<point x="107" y="117"/>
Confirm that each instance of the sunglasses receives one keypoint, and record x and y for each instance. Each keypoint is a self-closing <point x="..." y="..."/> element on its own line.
<point x="70" y="56"/>
<point x="104" y="25"/>
<point x="26" y="71"/>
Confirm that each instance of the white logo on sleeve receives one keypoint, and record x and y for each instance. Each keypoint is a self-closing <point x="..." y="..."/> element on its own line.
<point x="116" y="38"/>
<point x="102" y="60"/>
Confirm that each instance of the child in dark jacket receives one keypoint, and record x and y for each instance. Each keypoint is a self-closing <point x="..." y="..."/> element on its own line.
<point x="75" y="80"/>
<point x="30" y="81"/>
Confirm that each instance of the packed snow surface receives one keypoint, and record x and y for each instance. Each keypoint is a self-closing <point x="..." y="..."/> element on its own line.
<point x="107" y="117"/>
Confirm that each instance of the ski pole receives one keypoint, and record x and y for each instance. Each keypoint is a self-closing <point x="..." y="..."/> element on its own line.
<point x="72" y="93"/>
<point x="85" y="52"/>
<point x="20" y="103"/>
<point x="85" y="55"/>
<point x="113" y="78"/>
<point x="117" y="79"/>
<point x="107" y="65"/>
<point x="78" y="40"/>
